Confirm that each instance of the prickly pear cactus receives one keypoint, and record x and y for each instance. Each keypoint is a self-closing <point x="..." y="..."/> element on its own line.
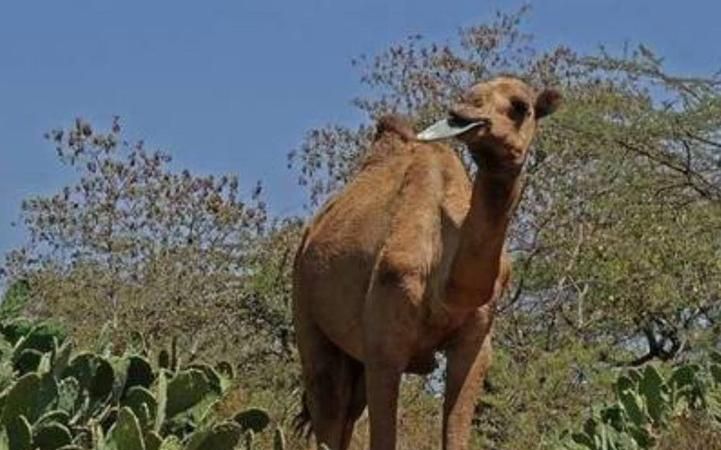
<point x="94" y="373"/>
<point x="278" y="439"/>
<point x="647" y="401"/>
<point x="224" y="436"/>
<point x="30" y="397"/>
<point x="254" y="419"/>
<point x="51" y="436"/>
<point x="125" y="434"/>
<point x="19" y="433"/>
<point x="186" y="390"/>
<point x="54" y="399"/>
<point x="143" y="404"/>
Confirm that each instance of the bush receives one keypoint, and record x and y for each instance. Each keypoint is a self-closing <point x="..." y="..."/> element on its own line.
<point x="649" y="403"/>
<point x="56" y="398"/>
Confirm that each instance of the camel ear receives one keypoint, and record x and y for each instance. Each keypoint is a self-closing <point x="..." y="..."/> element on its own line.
<point x="547" y="103"/>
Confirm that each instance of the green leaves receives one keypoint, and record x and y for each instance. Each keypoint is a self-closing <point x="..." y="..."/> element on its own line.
<point x="185" y="390"/>
<point x="29" y="397"/>
<point x="143" y="404"/>
<point x="117" y="403"/>
<point x="647" y="402"/>
<point x="19" y="433"/>
<point x="125" y="433"/>
<point x="253" y="419"/>
<point x="51" y="436"/>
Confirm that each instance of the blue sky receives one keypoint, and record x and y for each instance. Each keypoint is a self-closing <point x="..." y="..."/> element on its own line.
<point x="232" y="86"/>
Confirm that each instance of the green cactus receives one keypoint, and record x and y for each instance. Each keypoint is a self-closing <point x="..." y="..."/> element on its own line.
<point x="225" y="369"/>
<point x="653" y="389"/>
<point x="142" y="402"/>
<point x="254" y="419"/>
<point x="224" y="436"/>
<point x="61" y="358"/>
<point x="278" y="439"/>
<point x="94" y="373"/>
<point x="126" y="433"/>
<point x="27" y="360"/>
<point x="119" y="365"/>
<point x="185" y="390"/>
<point x="104" y="341"/>
<point x="630" y="401"/>
<point x="683" y="383"/>
<point x="42" y="337"/>
<point x="19" y="433"/>
<point x="6" y="347"/>
<point x="51" y="436"/>
<point x="164" y="360"/>
<point x="715" y="370"/>
<point x="72" y="401"/>
<point x="646" y="402"/>
<point x="214" y="378"/>
<point x="248" y="437"/>
<point x="140" y="372"/>
<point x="69" y="394"/>
<point x="54" y="416"/>
<point x="162" y="399"/>
<point x="171" y="443"/>
<point x="136" y="343"/>
<point x="30" y="396"/>
<point x="16" y="328"/>
<point x="45" y="365"/>
<point x="153" y="441"/>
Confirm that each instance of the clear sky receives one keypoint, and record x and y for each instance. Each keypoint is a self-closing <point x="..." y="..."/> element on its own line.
<point x="231" y="86"/>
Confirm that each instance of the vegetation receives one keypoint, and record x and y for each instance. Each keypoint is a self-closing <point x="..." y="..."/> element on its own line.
<point x="56" y="398"/>
<point x="616" y="292"/>
<point x="646" y="402"/>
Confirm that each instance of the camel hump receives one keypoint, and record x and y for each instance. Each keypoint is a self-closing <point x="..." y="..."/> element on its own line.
<point x="395" y="124"/>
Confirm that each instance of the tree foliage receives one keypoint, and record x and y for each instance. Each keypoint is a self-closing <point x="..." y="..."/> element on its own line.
<point x="616" y="242"/>
<point x="617" y="256"/>
<point x="134" y="242"/>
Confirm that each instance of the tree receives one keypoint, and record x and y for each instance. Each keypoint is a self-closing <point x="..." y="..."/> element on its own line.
<point x="168" y="253"/>
<point x="616" y="248"/>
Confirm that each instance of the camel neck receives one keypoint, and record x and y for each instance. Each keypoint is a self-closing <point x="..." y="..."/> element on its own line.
<point x="475" y="267"/>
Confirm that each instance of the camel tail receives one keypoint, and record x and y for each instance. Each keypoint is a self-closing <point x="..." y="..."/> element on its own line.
<point x="301" y="423"/>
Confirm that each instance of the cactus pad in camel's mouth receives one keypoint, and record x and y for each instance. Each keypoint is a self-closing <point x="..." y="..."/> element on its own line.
<point x="449" y="127"/>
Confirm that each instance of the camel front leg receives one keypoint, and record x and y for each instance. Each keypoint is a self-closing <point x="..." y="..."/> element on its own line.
<point x="385" y="360"/>
<point x="469" y="357"/>
<point x="382" y="384"/>
<point x="390" y="328"/>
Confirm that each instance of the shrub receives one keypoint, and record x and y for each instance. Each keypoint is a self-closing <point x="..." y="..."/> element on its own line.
<point x="57" y="398"/>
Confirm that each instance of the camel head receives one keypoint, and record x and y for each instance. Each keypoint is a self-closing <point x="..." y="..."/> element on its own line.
<point x="496" y="120"/>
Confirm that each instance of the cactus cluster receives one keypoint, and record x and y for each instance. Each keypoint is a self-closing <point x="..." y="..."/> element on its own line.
<point x="54" y="398"/>
<point x="646" y="402"/>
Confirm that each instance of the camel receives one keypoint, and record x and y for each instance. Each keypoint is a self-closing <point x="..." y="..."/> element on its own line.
<point x="409" y="259"/>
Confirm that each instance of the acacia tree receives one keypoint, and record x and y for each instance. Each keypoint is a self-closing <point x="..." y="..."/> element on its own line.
<point x="616" y="242"/>
<point x="134" y="243"/>
<point x="616" y="248"/>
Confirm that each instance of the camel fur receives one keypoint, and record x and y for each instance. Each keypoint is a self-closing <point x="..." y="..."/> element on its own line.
<point x="407" y="260"/>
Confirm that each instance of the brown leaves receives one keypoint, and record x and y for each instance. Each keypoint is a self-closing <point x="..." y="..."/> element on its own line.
<point x="130" y="231"/>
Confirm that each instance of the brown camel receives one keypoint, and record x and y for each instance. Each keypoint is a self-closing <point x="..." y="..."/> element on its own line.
<point x="409" y="259"/>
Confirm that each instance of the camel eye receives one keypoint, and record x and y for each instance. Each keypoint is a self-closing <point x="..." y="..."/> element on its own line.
<point x="519" y="109"/>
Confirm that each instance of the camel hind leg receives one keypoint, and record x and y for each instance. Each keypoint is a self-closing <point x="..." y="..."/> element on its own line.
<point x="334" y="388"/>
